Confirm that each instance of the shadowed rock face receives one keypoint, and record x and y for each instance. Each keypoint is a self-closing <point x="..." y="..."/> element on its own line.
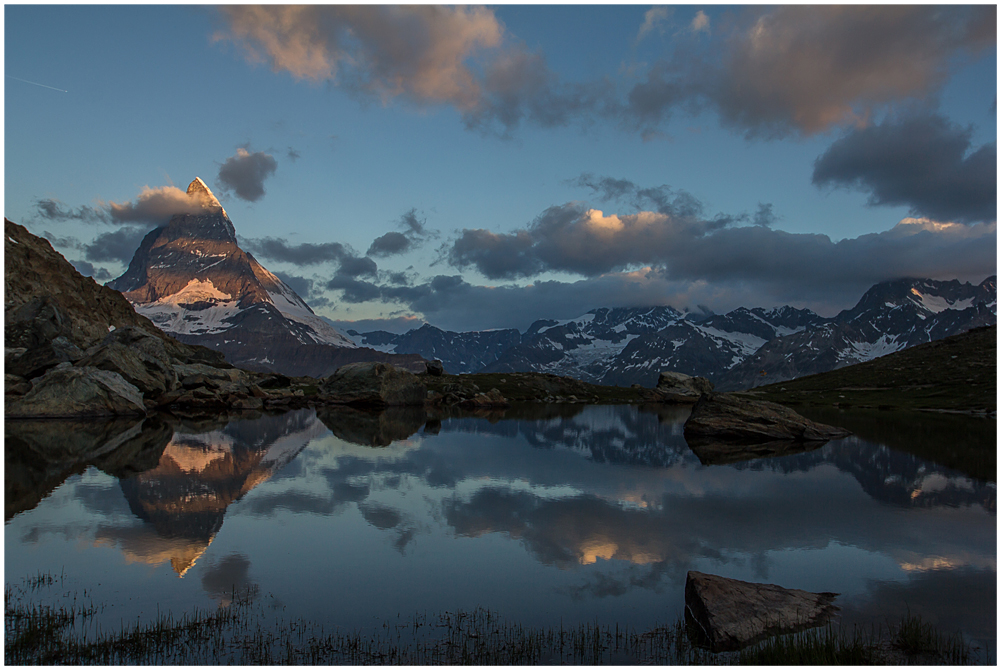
<point x="724" y="614"/>
<point x="374" y="384"/>
<point x="727" y="418"/>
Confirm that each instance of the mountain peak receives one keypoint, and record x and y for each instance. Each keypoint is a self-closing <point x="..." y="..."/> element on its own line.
<point x="199" y="189"/>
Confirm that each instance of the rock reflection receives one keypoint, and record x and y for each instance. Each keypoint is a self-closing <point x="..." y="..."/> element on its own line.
<point x="373" y="428"/>
<point x="712" y="452"/>
<point x="40" y="454"/>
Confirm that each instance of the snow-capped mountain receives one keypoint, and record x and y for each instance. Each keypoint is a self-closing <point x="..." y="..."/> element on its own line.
<point x="633" y="345"/>
<point x="889" y="317"/>
<point x="191" y="278"/>
<point x="626" y="346"/>
<point x="460" y="352"/>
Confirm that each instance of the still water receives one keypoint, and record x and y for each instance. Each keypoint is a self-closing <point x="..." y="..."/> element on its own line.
<point x="543" y="515"/>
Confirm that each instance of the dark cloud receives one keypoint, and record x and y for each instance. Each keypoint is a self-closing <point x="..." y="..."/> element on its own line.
<point x="302" y="286"/>
<point x="119" y="245"/>
<point x="923" y="162"/>
<point x="54" y="210"/>
<point x="395" y="243"/>
<point x="301" y="254"/>
<point x="354" y="267"/>
<point x="397" y="324"/>
<point x="293" y="155"/>
<point x="390" y="244"/>
<point x="355" y="291"/>
<point x="244" y="174"/>
<point x="229" y="576"/>
<point x="87" y="269"/>
<point x="803" y="69"/>
<point x="62" y="242"/>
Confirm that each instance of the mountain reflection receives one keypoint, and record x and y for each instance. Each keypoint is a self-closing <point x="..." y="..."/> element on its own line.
<point x="203" y="469"/>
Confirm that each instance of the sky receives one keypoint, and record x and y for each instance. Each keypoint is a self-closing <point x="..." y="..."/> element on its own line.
<point x="485" y="167"/>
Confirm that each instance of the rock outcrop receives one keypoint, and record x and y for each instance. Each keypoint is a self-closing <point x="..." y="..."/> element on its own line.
<point x="682" y="388"/>
<point x="374" y="384"/>
<point x="77" y="392"/>
<point x="724" y="418"/>
<point x="724" y="614"/>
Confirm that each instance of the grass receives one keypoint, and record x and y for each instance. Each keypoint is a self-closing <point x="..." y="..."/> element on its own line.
<point x="240" y="634"/>
<point x="956" y="374"/>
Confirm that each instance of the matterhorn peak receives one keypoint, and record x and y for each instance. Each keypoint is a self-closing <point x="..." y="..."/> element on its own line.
<point x="199" y="189"/>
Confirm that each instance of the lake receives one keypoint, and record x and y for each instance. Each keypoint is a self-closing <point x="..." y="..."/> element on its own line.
<point x="546" y="515"/>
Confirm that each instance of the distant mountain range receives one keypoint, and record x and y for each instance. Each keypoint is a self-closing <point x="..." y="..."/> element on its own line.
<point x="191" y="278"/>
<point x="739" y="349"/>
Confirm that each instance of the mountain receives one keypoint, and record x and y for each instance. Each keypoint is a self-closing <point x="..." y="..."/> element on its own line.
<point x="191" y="278"/>
<point x="746" y="347"/>
<point x="889" y="317"/>
<point x="633" y="345"/>
<point x="460" y="352"/>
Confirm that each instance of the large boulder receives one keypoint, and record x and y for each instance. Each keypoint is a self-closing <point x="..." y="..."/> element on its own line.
<point x="374" y="384"/>
<point x="724" y="614"/>
<point x="679" y="387"/>
<point x="40" y="359"/>
<point x="118" y="358"/>
<point x="723" y="417"/>
<point x="77" y="392"/>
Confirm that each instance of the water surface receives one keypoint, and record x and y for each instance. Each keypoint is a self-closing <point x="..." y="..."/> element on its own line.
<point x="544" y="515"/>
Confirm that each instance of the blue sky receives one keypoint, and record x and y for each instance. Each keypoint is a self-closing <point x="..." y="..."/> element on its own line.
<point x="518" y="162"/>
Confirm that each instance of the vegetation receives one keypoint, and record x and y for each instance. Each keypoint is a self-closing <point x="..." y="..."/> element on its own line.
<point x="240" y="634"/>
<point x="955" y="374"/>
<point x="537" y="387"/>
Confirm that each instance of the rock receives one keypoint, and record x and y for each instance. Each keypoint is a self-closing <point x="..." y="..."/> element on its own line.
<point x="116" y="357"/>
<point x="485" y="400"/>
<point x="223" y="374"/>
<point x="723" y="417"/>
<point x="725" y="614"/>
<point x="275" y="381"/>
<point x="77" y="392"/>
<point x="15" y="385"/>
<point x="40" y="359"/>
<point x="374" y="384"/>
<point x="679" y="387"/>
<point x="435" y="368"/>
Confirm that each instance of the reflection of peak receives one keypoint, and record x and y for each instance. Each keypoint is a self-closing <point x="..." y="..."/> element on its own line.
<point x="204" y="193"/>
<point x="144" y="546"/>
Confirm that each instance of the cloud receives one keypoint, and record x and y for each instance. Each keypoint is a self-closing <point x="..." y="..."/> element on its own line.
<point x="53" y="210"/>
<point x="397" y="324"/>
<point x="155" y="206"/>
<point x="244" y="174"/>
<point x="652" y="20"/>
<point x="293" y="155"/>
<point x="300" y="254"/>
<point x="804" y="69"/>
<point x="355" y="291"/>
<point x="700" y="22"/>
<point x="87" y="269"/>
<point x="62" y="242"/>
<point x="119" y="245"/>
<point x="922" y="161"/>
<point x="396" y="243"/>
<point x="417" y="52"/>
<point x="390" y="244"/>
<point x="354" y="267"/>
<point x="423" y="55"/>
<point x="302" y="286"/>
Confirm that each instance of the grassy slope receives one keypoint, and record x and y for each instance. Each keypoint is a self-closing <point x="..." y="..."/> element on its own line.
<point x="957" y="374"/>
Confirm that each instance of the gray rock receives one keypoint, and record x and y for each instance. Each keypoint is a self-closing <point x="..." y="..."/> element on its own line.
<point x="77" y="392"/>
<point x="118" y="358"/>
<point x="15" y="385"/>
<point x="40" y="359"/>
<point x="726" y="418"/>
<point x="374" y="384"/>
<point x="679" y="387"/>
<point x="435" y="368"/>
<point x="724" y="614"/>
